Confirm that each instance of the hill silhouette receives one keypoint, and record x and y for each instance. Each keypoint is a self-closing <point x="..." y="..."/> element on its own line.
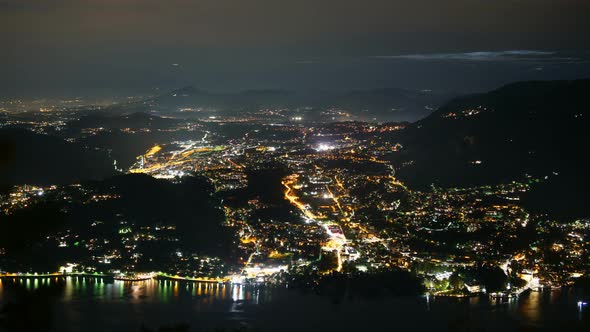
<point x="31" y="158"/>
<point x="537" y="129"/>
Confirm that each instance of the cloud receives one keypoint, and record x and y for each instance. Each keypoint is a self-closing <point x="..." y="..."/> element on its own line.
<point x="489" y="56"/>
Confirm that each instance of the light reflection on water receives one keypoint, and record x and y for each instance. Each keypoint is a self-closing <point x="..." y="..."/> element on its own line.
<point x="225" y="302"/>
<point x="530" y="307"/>
<point x="102" y="290"/>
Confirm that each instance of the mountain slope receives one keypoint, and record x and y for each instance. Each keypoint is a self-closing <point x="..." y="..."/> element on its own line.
<point x="528" y="128"/>
<point x="133" y="120"/>
<point x="30" y="158"/>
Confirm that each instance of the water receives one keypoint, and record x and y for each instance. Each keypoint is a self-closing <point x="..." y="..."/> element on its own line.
<point x="90" y="304"/>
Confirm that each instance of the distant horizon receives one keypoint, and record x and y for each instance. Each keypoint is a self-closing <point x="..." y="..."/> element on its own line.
<point x="107" y="94"/>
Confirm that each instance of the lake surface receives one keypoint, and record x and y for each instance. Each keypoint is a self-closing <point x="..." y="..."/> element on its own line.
<point x="88" y="304"/>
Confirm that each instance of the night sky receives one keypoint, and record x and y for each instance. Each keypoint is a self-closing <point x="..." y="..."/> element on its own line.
<point x="132" y="46"/>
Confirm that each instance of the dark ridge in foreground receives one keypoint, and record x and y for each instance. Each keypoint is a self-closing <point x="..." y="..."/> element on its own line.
<point x="31" y="158"/>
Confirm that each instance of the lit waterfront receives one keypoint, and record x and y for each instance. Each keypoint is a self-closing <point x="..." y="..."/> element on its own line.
<point x="94" y="305"/>
<point x="151" y="290"/>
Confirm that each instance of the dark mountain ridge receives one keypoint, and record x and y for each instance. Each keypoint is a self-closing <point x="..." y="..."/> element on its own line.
<point x="537" y="129"/>
<point x="30" y="158"/>
<point x="131" y="120"/>
<point x="387" y="104"/>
